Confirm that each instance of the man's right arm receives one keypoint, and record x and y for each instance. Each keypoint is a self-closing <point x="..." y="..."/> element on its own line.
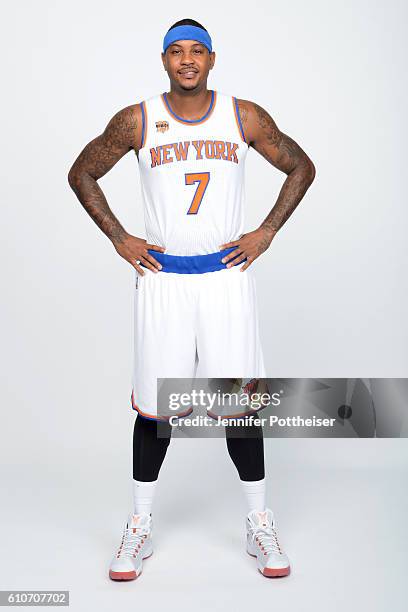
<point x="122" y="134"/>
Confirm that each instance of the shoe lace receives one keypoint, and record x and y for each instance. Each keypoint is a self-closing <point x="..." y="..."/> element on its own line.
<point x="132" y="541"/>
<point x="267" y="538"/>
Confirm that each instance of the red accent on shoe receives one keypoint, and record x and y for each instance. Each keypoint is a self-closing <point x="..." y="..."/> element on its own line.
<point x="122" y="575"/>
<point x="275" y="573"/>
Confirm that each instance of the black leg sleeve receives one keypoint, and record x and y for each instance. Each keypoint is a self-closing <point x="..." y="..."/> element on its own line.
<point x="246" y="449"/>
<point x="149" y="450"/>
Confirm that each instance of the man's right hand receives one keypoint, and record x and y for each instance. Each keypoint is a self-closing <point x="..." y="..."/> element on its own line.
<point x="135" y="251"/>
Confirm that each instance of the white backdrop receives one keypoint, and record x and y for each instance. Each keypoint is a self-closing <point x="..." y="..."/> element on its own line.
<point x="332" y="288"/>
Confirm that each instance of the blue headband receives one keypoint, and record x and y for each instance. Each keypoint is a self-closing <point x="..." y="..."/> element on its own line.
<point x="187" y="32"/>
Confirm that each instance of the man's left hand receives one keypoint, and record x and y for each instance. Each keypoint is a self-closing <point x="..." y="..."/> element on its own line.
<point x="248" y="247"/>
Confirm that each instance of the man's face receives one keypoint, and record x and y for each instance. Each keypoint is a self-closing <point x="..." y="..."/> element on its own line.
<point x="188" y="63"/>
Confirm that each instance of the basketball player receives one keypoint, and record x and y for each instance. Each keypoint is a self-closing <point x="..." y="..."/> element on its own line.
<point x="195" y="300"/>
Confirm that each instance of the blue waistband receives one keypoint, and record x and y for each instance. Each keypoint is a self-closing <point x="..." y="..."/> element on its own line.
<point x="191" y="264"/>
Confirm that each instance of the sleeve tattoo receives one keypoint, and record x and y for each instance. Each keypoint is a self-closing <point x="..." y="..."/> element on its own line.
<point x="285" y="154"/>
<point x="96" y="159"/>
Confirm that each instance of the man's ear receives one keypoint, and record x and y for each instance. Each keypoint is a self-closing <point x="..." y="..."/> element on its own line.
<point x="163" y="56"/>
<point x="212" y="60"/>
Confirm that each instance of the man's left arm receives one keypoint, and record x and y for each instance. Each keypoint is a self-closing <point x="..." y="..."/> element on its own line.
<point x="262" y="133"/>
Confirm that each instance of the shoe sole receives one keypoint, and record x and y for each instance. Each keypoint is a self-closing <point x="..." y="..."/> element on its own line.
<point x="121" y="576"/>
<point x="125" y="576"/>
<point x="275" y="573"/>
<point x="272" y="573"/>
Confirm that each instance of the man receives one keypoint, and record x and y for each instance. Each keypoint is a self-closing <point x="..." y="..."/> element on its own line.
<point x="195" y="300"/>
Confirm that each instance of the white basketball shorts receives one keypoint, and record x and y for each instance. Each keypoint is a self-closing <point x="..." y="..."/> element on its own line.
<point x="189" y="325"/>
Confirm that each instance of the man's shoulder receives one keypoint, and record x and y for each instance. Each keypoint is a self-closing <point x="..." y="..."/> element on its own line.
<point x="128" y="113"/>
<point x="254" y="118"/>
<point x="128" y="117"/>
<point x="249" y="107"/>
<point x="126" y="125"/>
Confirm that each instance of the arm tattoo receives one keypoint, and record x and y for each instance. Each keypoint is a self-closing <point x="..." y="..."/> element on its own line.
<point x="243" y="112"/>
<point x="97" y="158"/>
<point x="268" y="126"/>
<point x="286" y="155"/>
<point x="291" y="194"/>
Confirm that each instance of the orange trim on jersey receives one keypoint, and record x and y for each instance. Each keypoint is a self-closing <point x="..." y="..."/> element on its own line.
<point x="144" y="124"/>
<point x="206" y="116"/>
<point x="238" y="120"/>
<point x="155" y="417"/>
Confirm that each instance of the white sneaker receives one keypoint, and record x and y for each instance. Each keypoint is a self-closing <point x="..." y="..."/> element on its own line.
<point x="262" y="543"/>
<point x="136" y="545"/>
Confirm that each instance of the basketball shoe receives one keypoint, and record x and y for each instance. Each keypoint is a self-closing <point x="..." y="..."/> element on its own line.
<point x="136" y="545"/>
<point x="262" y="543"/>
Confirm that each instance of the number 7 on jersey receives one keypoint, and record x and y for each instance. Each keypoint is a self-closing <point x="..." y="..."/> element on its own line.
<point x="202" y="178"/>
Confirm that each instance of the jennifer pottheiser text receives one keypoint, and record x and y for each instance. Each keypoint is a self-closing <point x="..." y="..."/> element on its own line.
<point x="271" y="421"/>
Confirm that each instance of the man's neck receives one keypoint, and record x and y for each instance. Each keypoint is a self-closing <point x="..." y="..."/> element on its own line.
<point x="190" y="104"/>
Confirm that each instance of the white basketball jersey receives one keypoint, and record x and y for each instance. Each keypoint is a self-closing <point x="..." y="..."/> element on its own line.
<point x="192" y="175"/>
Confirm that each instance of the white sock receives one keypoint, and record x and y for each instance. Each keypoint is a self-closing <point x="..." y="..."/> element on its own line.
<point x="143" y="493"/>
<point x="255" y="494"/>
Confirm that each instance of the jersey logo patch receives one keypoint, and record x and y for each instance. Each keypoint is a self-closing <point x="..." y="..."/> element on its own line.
<point x="162" y="126"/>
